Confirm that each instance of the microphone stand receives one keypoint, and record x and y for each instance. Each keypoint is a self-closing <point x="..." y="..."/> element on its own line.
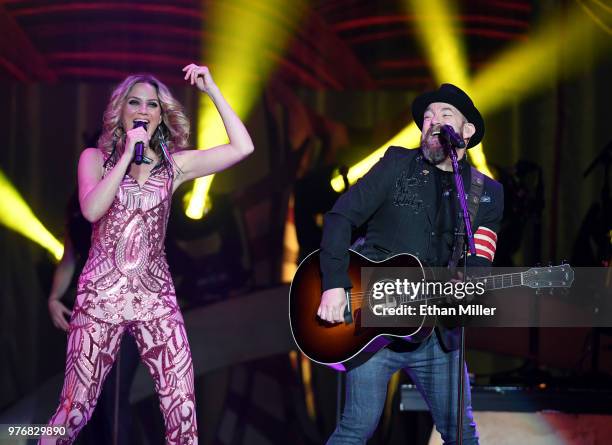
<point x="472" y="249"/>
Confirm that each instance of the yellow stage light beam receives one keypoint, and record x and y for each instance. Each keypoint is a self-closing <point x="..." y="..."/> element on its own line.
<point x="437" y="33"/>
<point x="557" y="49"/>
<point x="17" y="215"/>
<point x="291" y="247"/>
<point x="244" y="40"/>
<point x="408" y="137"/>
<point x="596" y="15"/>
<point x="477" y="156"/>
<point x="437" y="26"/>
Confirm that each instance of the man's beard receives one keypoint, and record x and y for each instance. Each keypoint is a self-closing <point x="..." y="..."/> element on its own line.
<point x="432" y="149"/>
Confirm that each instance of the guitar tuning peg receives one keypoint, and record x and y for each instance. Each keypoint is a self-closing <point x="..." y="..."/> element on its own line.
<point x="564" y="261"/>
<point x="551" y="291"/>
<point x="550" y="264"/>
<point x="538" y="291"/>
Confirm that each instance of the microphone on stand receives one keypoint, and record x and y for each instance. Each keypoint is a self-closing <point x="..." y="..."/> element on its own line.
<point x="448" y="134"/>
<point x="139" y="146"/>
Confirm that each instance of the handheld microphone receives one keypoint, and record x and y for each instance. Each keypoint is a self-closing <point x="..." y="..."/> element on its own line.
<point x="448" y="134"/>
<point x="139" y="146"/>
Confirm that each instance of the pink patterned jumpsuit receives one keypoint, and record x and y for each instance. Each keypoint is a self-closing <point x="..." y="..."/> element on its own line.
<point x="126" y="285"/>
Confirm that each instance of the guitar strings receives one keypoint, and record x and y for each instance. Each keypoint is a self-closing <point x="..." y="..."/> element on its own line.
<point x="359" y="297"/>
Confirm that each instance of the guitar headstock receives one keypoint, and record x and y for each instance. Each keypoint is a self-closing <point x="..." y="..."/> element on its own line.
<point x="550" y="276"/>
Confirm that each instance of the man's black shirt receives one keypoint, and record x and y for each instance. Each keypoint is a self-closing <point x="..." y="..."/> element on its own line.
<point x="446" y="216"/>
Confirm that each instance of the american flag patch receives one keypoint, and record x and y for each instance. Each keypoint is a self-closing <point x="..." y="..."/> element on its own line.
<point x="486" y="242"/>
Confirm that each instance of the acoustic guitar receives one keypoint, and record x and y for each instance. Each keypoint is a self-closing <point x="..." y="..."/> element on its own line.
<point x="346" y="344"/>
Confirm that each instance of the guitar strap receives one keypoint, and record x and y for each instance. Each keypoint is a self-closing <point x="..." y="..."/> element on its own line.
<point x="476" y="187"/>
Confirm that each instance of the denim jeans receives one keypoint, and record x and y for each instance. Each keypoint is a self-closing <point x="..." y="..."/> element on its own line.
<point x="433" y="371"/>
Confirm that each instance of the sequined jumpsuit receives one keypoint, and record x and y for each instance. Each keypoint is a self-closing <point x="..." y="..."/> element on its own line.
<point x="126" y="285"/>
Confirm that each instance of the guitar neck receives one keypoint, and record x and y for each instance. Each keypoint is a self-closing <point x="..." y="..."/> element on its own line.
<point x="491" y="282"/>
<point x="503" y="281"/>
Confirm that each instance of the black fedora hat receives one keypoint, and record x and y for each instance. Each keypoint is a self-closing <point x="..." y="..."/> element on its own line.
<point x="450" y="94"/>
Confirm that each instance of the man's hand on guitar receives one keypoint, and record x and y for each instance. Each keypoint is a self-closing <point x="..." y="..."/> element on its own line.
<point x="333" y="303"/>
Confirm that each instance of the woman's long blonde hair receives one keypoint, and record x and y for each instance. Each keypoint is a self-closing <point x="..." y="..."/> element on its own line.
<point x="173" y="129"/>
